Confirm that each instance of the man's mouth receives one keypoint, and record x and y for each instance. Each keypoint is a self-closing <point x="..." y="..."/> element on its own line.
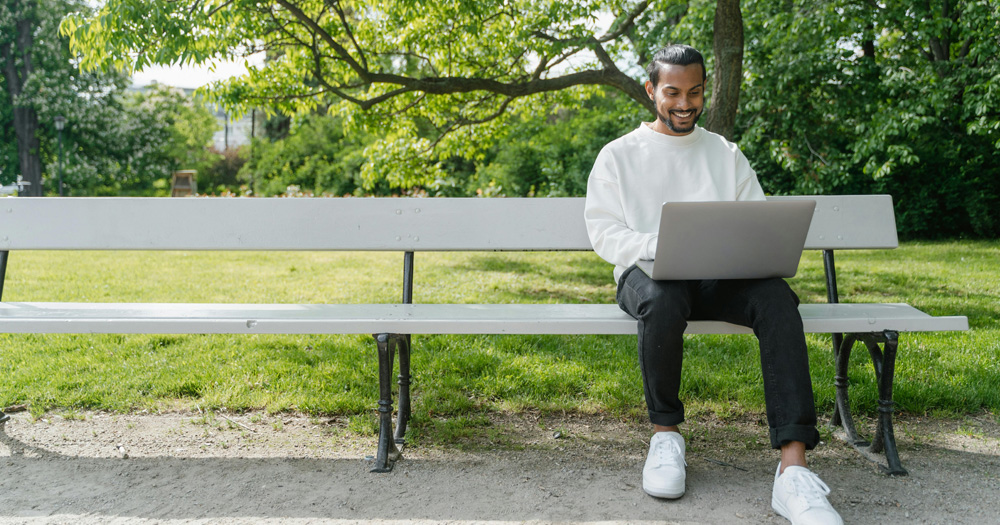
<point x="683" y="114"/>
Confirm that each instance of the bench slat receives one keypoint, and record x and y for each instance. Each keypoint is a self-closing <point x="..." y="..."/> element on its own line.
<point x="850" y="222"/>
<point x="384" y="224"/>
<point x="171" y="318"/>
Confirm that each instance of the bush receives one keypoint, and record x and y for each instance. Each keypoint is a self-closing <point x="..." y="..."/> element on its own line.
<point x="316" y="156"/>
<point x="552" y="157"/>
<point x="221" y="175"/>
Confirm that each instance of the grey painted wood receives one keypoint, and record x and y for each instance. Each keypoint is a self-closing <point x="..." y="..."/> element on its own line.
<point x="291" y="224"/>
<point x="419" y="319"/>
<point x="850" y="222"/>
<point x="840" y="222"/>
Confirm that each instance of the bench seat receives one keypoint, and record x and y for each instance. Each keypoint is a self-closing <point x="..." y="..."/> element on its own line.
<point x="183" y="318"/>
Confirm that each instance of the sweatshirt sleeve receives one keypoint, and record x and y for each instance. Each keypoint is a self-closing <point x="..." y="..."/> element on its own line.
<point x="612" y="238"/>
<point x="748" y="187"/>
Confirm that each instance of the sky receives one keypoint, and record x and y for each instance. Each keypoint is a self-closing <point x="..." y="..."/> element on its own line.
<point x="189" y="76"/>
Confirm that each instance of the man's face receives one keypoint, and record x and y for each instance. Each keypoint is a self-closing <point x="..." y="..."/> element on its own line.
<point x="679" y="97"/>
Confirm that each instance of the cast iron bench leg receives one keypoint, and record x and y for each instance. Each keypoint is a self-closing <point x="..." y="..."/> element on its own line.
<point x="3" y="276"/>
<point x="403" y="416"/>
<point x="842" y="410"/>
<point x="387" y="454"/>
<point x="884" y="362"/>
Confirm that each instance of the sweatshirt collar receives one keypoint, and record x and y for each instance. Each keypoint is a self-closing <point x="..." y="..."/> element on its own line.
<point x="670" y="140"/>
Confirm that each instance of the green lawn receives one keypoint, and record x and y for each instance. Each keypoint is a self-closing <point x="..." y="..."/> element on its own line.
<point x="464" y="376"/>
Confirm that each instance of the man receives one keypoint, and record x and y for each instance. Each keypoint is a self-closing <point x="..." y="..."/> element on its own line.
<point x="672" y="159"/>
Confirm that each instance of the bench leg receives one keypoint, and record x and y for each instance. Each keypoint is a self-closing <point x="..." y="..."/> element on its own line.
<point x="838" y="379"/>
<point x="403" y="416"/>
<point x="387" y="453"/>
<point x="3" y="417"/>
<point x="884" y="362"/>
<point x="842" y="408"/>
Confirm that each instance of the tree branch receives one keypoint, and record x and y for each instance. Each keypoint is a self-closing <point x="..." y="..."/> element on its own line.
<point x="457" y="123"/>
<point x="350" y="34"/>
<point x="811" y="150"/>
<point x="533" y="83"/>
<point x="966" y="47"/>
<point x="219" y="8"/>
<point x="358" y="68"/>
<point x="626" y="24"/>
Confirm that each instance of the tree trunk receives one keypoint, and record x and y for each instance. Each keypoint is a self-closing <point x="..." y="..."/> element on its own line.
<point x="728" y="74"/>
<point x="17" y="68"/>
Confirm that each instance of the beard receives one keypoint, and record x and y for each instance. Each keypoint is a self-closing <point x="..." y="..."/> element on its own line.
<point x="665" y="119"/>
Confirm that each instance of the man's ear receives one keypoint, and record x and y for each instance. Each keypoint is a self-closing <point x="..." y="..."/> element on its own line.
<point x="649" y="90"/>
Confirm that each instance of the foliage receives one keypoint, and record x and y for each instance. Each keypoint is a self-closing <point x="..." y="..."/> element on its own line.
<point x="221" y="175"/>
<point x="97" y="136"/>
<point x="430" y="77"/>
<point x="8" y="139"/>
<point x="318" y="156"/>
<point x="133" y="140"/>
<point x="552" y="157"/>
<point x="534" y="155"/>
<point x="27" y="47"/>
<point x="114" y="143"/>
<point x="839" y="96"/>
<point x="847" y="96"/>
<point x="183" y="127"/>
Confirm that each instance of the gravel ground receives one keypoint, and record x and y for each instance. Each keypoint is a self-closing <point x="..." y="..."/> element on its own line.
<point x="258" y="468"/>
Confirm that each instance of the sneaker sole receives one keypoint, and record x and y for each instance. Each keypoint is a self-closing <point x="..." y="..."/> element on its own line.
<point x="779" y="508"/>
<point x="661" y="493"/>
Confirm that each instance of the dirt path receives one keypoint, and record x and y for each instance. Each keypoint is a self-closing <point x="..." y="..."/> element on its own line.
<point x="255" y="468"/>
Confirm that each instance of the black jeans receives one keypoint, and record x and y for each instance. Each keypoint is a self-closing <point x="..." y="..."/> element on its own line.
<point x="768" y="306"/>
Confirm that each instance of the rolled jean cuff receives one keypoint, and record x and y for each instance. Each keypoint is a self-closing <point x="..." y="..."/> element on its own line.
<point x="666" y="420"/>
<point x="805" y="433"/>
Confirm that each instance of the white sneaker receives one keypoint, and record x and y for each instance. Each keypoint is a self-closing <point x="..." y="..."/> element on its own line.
<point x="800" y="496"/>
<point x="663" y="475"/>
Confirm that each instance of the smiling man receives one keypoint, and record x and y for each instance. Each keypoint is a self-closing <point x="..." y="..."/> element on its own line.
<point x="672" y="159"/>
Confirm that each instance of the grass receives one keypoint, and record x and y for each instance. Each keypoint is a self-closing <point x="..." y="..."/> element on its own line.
<point x="459" y="378"/>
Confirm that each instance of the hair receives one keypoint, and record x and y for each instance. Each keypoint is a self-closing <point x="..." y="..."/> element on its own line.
<point x="675" y="54"/>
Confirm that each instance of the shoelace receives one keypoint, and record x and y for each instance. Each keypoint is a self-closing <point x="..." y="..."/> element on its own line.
<point x="809" y="487"/>
<point x="667" y="453"/>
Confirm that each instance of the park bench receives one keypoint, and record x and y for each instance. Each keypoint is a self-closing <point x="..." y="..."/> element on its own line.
<point x="414" y="225"/>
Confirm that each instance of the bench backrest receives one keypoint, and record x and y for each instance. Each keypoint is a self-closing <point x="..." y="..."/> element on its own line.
<point x="381" y="224"/>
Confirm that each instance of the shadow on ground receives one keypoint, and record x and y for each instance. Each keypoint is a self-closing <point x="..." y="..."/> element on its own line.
<point x="178" y="468"/>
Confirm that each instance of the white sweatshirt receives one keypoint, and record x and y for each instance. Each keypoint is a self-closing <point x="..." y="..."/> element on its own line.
<point x="635" y="174"/>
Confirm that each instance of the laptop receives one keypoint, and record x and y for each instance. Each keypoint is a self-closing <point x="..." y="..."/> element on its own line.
<point x="730" y="240"/>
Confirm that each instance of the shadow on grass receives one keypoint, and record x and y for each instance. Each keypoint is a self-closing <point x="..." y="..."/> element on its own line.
<point x="578" y="269"/>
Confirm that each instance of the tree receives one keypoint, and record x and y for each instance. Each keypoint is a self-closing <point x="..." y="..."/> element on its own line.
<point x="9" y="166"/>
<point x="440" y="74"/>
<point x="40" y="83"/>
<point x="114" y="142"/>
<point x="728" y="50"/>
<point x="187" y="122"/>
<point x="18" y="19"/>
<point x="316" y="156"/>
<point x="900" y="98"/>
<point x="539" y="157"/>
